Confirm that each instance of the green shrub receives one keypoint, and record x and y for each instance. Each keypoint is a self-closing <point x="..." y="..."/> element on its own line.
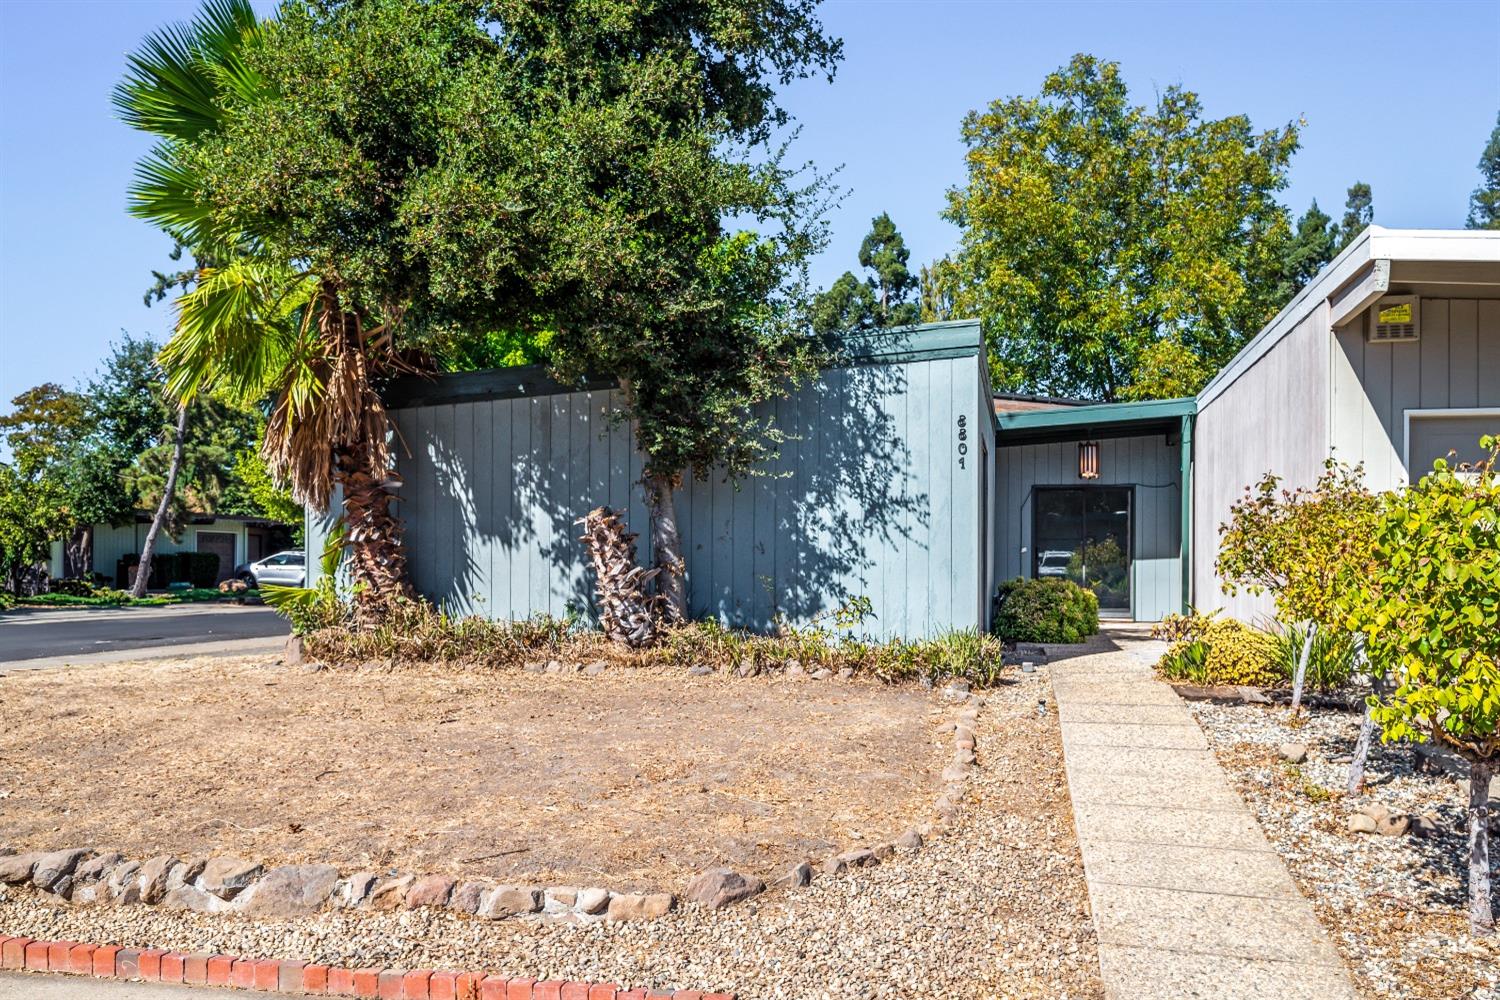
<point x="1216" y="651"/>
<point x="7" y="600"/>
<point x="1045" y="610"/>
<point x="1330" y="662"/>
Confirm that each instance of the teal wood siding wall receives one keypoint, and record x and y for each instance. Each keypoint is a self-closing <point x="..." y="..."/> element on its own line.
<point x="869" y="496"/>
<point x="1150" y="464"/>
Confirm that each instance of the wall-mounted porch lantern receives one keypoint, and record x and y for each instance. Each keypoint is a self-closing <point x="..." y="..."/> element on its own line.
<point x="1088" y="460"/>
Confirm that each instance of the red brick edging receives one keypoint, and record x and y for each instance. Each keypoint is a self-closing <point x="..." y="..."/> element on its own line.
<point x="154" y="965"/>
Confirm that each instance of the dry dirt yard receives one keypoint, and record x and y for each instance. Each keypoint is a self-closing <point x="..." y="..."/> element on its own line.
<point x="1395" y="906"/>
<point x="995" y="907"/>
<point x="630" y="779"/>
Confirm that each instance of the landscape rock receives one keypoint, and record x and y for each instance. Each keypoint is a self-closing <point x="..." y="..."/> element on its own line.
<point x="467" y="897"/>
<point x="151" y="883"/>
<point x="432" y="890"/>
<point x="639" y="906"/>
<point x="389" y="893"/>
<point x="1393" y="826"/>
<point x="535" y="667"/>
<point x="719" y="887"/>
<point x="187" y="897"/>
<point x="1425" y="826"/>
<point x="883" y="852"/>
<point x="860" y="857"/>
<point x="822" y="674"/>
<point x="554" y="666"/>
<point x="559" y="899"/>
<point x="292" y="653"/>
<point x="747" y="668"/>
<point x="909" y="841"/>
<point x="1361" y="823"/>
<point x="835" y="866"/>
<point x="1294" y="753"/>
<point x="509" y="900"/>
<point x="593" y="900"/>
<point x="290" y="891"/>
<point x="184" y="873"/>
<point x="355" y="890"/>
<point x="596" y="668"/>
<point x="122" y="884"/>
<point x="794" y="669"/>
<point x="846" y="673"/>
<point x="700" y="670"/>
<point x="18" y="867"/>
<point x="225" y="877"/>
<point x="798" y="875"/>
<point x="56" y="866"/>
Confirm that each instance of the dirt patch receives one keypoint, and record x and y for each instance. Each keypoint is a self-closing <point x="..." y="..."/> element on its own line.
<point x="631" y="779"/>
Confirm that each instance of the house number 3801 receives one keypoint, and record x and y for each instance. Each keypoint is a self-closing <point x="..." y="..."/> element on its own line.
<point x="963" y="441"/>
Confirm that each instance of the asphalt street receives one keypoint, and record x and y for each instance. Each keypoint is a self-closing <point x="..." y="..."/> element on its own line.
<point x="44" y="633"/>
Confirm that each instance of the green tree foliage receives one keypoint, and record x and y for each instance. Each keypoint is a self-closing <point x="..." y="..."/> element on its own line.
<point x="41" y="430"/>
<point x="1092" y="227"/>
<point x="1167" y="369"/>
<point x="1359" y="212"/>
<point x="216" y="436"/>
<point x="1429" y="610"/>
<point x="1484" y="203"/>
<point x="883" y="298"/>
<point x="1318" y="239"/>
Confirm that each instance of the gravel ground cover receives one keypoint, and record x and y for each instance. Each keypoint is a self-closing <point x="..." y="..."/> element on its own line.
<point x="996" y="907"/>
<point x="1395" y="906"/>
<point x="632" y="779"/>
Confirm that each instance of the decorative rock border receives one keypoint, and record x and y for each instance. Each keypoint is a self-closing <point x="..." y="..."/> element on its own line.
<point x="234" y="885"/>
<point x="154" y="965"/>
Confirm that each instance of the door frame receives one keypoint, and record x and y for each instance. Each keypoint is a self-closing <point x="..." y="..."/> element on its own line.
<point x="1436" y="411"/>
<point x="1129" y="491"/>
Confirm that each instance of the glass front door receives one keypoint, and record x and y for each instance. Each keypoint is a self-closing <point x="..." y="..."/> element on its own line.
<point x="1083" y="534"/>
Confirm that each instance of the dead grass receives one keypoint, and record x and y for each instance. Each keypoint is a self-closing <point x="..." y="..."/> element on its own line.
<point x="630" y="779"/>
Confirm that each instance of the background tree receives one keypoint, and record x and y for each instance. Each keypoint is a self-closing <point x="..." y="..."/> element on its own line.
<point x="41" y="431"/>
<point x="883" y="298"/>
<point x="1484" y="203"/>
<point x="1318" y="239"/>
<point x="1091" y="228"/>
<point x="1429" y="610"/>
<point x="1167" y="369"/>
<point x="1359" y="212"/>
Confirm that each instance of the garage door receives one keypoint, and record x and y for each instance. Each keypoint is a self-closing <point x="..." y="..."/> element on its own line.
<point x="221" y="543"/>
<point x="1432" y="436"/>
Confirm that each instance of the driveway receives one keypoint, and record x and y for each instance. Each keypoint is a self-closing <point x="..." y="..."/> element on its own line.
<point x="30" y="636"/>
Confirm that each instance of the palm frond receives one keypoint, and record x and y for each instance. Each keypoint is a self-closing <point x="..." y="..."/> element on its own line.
<point x="171" y="85"/>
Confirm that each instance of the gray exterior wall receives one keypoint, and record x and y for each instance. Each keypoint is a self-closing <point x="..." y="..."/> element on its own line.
<point x="1274" y="417"/>
<point x="1455" y="364"/>
<point x="871" y="496"/>
<point x="1150" y="464"/>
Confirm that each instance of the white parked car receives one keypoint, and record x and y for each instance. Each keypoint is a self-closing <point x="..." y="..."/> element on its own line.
<point x="1054" y="562"/>
<point x="286" y="569"/>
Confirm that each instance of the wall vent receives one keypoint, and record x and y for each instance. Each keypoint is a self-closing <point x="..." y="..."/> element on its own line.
<point x="1395" y="319"/>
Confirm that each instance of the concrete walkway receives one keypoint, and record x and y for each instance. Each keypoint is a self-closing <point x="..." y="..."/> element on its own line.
<point x="55" y="986"/>
<point x="1189" y="898"/>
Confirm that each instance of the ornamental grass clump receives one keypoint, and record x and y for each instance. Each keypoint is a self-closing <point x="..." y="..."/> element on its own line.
<point x="1429" y="612"/>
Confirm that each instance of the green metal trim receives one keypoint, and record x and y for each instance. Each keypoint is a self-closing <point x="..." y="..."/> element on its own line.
<point x="1186" y="488"/>
<point x="910" y="343"/>
<point x="1098" y="415"/>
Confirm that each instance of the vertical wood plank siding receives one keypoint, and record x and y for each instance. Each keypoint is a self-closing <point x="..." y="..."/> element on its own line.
<point x="1455" y="364"/>
<point x="866" y="498"/>
<point x="1149" y="464"/>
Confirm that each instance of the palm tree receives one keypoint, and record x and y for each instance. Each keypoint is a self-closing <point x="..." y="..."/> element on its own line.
<point x="254" y="327"/>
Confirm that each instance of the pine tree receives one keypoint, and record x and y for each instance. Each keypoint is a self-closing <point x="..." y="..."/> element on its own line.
<point x="1484" y="203"/>
<point x="1314" y="244"/>
<point x="882" y="299"/>
<point x="1359" y="212"/>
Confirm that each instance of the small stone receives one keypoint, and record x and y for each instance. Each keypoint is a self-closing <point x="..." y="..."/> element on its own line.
<point x="719" y="887"/>
<point x="122" y="884"/>
<point x="554" y="666"/>
<point x="559" y="899"/>
<point x="535" y="667"/>
<point x="883" y="852"/>
<point x="596" y="668"/>
<point x="959" y="684"/>
<point x="964" y="757"/>
<point x="846" y="673"/>
<point x="835" y="866"/>
<point x="746" y="668"/>
<point x="859" y="858"/>
<point x="1294" y="753"/>
<point x="52" y="868"/>
<point x="289" y="891"/>
<point x="955" y="772"/>
<point x="593" y="900"/>
<point x="1393" y="826"/>
<point x="1376" y="811"/>
<point x="639" y="906"/>
<point x="508" y="900"/>
<point x="798" y="875"/>
<point x="18" y="867"/>
<point x="1425" y="826"/>
<point x="432" y="890"/>
<point x="225" y="877"/>
<point x="822" y="674"/>
<point x="355" y="890"/>
<point x="468" y="897"/>
<point x="187" y="897"/>
<point x="152" y="880"/>
<point x="700" y="670"/>
<point x="1360" y="823"/>
<point x="794" y="669"/>
<point x="292" y="652"/>
<point x="390" y="892"/>
<point x="909" y="841"/>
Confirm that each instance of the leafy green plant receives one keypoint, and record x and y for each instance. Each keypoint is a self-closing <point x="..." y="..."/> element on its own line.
<point x="1330" y="661"/>
<point x="1045" y="610"/>
<point x="1216" y="651"/>
<point x="1429" y="610"/>
<point x="1186" y="661"/>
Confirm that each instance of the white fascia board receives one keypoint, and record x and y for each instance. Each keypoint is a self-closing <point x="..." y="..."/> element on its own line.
<point x="1376" y="242"/>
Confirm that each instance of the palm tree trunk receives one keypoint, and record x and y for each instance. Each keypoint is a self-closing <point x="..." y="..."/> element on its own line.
<point x="666" y="548"/>
<point x="377" y="559"/>
<point x="143" y="571"/>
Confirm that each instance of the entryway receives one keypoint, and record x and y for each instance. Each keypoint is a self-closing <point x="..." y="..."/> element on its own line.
<point x="1082" y="533"/>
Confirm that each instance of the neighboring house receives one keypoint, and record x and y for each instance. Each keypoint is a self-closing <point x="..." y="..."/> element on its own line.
<point x="907" y="481"/>
<point x="234" y="538"/>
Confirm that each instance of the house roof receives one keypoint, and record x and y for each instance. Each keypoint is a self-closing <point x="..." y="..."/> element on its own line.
<point x="1094" y="420"/>
<point x="1020" y="402"/>
<point x="1379" y="261"/>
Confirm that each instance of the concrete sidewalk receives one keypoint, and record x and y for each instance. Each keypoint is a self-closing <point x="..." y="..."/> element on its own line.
<point x="56" y="986"/>
<point x="1189" y="898"/>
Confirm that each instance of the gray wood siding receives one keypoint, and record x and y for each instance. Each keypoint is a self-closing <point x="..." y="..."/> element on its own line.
<point x="1150" y="464"/>
<point x="867" y="498"/>
<point x="1273" y="418"/>
<point x="1455" y="364"/>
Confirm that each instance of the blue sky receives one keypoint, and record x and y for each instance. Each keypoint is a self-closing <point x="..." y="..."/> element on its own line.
<point x="1400" y="95"/>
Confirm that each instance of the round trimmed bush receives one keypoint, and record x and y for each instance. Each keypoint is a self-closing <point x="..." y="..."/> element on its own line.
<point x="1045" y="610"/>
